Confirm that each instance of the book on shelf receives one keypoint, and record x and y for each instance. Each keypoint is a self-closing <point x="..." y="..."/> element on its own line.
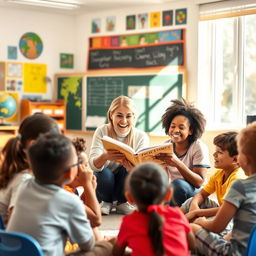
<point x="143" y="155"/>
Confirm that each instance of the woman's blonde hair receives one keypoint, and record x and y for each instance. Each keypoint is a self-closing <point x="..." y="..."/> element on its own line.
<point x="116" y="103"/>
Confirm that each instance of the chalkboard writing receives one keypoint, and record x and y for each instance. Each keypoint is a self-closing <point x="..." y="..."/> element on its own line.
<point x="151" y="95"/>
<point x="137" y="57"/>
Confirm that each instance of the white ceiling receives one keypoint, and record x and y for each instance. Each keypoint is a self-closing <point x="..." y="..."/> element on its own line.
<point x="88" y="5"/>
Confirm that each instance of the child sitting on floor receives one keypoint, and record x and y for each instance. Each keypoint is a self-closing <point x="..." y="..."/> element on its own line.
<point x="155" y="229"/>
<point x="225" y="160"/>
<point x="88" y="195"/>
<point x="44" y="210"/>
<point x="239" y="203"/>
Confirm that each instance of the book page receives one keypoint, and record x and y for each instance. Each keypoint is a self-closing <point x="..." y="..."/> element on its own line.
<point x="148" y="155"/>
<point x="116" y="145"/>
<point x="112" y="144"/>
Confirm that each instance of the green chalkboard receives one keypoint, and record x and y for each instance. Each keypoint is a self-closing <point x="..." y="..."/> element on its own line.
<point x="151" y="93"/>
<point x="70" y="88"/>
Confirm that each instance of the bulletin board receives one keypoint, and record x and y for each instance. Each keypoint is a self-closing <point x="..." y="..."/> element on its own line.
<point x="69" y="89"/>
<point x="151" y="94"/>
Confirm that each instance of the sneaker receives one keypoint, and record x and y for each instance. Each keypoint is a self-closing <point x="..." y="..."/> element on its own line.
<point x="105" y="208"/>
<point x="125" y="208"/>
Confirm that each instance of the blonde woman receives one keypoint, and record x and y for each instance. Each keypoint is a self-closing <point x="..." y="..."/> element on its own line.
<point x="111" y="167"/>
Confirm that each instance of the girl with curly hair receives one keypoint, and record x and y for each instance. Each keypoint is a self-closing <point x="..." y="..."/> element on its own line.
<point x="187" y="166"/>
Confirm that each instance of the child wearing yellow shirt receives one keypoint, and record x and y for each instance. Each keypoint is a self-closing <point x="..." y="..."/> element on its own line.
<point x="225" y="160"/>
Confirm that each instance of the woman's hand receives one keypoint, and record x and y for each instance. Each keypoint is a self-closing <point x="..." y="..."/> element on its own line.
<point x="127" y="165"/>
<point x="114" y="155"/>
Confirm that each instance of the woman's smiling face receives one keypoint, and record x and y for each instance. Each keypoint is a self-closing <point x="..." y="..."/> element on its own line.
<point x="123" y="119"/>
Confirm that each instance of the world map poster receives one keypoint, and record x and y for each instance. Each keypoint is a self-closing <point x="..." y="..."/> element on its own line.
<point x="70" y="90"/>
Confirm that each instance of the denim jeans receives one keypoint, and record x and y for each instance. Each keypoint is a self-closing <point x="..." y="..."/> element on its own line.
<point x="110" y="185"/>
<point x="182" y="190"/>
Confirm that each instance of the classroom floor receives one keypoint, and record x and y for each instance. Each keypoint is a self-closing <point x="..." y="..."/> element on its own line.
<point x="110" y="224"/>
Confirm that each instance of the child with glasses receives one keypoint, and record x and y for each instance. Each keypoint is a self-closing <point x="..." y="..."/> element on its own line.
<point x="46" y="211"/>
<point x="84" y="185"/>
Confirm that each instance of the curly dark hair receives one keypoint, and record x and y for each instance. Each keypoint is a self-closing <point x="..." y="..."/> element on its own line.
<point x="194" y="115"/>
<point x="79" y="144"/>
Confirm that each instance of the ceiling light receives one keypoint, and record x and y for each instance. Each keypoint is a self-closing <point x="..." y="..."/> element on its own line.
<point x="47" y="3"/>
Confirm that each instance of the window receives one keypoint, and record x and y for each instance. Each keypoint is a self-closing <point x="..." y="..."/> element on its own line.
<point x="227" y="68"/>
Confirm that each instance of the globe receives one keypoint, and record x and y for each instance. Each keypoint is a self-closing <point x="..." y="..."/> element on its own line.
<point x="8" y="105"/>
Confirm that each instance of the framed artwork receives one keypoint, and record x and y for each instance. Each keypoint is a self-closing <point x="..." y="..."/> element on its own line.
<point x="181" y="16"/>
<point x="167" y="17"/>
<point x="142" y="20"/>
<point x="66" y="60"/>
<point x="110" y="23"/>
<point x="96" y="25"/>
<point x="155" y="19"/>
<point x="14" y="84"/>
<point x="14" y="69"/>
<point x="12" y="53"/>
<point x="130" y="22"/>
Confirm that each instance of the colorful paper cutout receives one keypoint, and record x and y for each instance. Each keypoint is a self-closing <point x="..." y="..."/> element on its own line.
<point x="155" y="19"/>
<point x="167" y="18"/>
<point x="181" y="16"/>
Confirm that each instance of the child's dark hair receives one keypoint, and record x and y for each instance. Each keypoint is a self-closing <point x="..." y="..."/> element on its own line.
<point x="194" y="115"/>
<point x="148" y="185"/>
<point x="79" y="144"/>
<point x="227" y="141"/>
<point x="49" y="156"/>
<point x="14" y="156"/>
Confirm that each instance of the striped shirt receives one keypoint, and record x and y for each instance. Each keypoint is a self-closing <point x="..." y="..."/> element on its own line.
<point x="242" y="196"/>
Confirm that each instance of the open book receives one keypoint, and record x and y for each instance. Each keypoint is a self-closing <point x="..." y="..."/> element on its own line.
<point x="143" y="155"/>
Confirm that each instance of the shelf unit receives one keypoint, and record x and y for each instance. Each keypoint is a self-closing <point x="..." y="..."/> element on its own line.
<point x="56" y="110"/>
<point x="7" y="132"/>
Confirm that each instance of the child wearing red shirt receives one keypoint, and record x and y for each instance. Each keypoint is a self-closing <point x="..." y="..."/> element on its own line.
<point x="155" y="229"/>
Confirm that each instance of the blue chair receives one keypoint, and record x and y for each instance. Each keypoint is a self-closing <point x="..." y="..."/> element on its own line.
<point x="251" y="247"/>
<point x="18" y="244"/>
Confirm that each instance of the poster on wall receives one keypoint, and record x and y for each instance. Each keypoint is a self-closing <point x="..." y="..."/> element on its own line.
<point x="14" y="69"/>
<point x="35" y="78"/>
<point x="110" y="24"/>
<point x="181" y="16"/>
<point x="155" y="19"/>
<point x="66" y="60"/>
<point x="96" y="26"/>
<point x="14" y="85"/>
<point x="130" y="22"/>
<point x="31" y="45"/>
<point x="167" y="17"/>
<point x="142" y="20"/>
<point x="12" y="52"/>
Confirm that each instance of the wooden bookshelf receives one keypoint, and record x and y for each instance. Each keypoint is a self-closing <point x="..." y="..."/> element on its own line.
<point x="56" y="110"/>
<point x="7" y="132"/>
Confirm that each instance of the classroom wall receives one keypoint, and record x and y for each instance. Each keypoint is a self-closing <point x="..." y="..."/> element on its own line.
<point x="56" y="31"/>
<point x="83" y="32"/>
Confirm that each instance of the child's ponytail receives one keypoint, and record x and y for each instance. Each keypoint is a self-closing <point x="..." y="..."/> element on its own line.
<point x="13" y="161"/>
<point x="155" y="231"/>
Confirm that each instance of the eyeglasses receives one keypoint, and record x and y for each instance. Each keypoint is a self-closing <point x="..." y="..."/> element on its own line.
<point x="79" y="161"/>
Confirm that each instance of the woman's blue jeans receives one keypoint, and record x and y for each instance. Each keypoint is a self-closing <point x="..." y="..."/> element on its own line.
<point x="182" y="190"/>
<point x="110" y="185"/>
